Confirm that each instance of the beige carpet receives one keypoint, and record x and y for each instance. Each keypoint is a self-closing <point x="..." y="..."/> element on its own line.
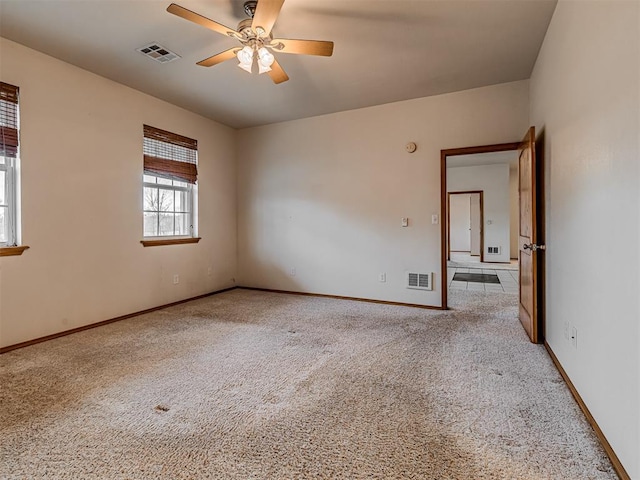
<point x="251" y="385"/>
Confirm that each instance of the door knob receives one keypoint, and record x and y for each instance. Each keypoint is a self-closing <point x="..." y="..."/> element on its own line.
<point x="533" y="247"/>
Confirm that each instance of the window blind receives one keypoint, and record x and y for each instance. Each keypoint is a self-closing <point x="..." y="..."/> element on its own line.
<point x="8" y="120"/>
<point x="170" y="155"/>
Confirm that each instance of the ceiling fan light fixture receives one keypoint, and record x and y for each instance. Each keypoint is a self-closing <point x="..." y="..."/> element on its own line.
<point x="245" y="56"/>
<point x="265" y="58"/>
<point x="263" y="68"/>
<point x="245" y="67"/>
<point x="256" y="37"/>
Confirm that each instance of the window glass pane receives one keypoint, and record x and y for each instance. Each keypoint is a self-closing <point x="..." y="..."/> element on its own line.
<point x="3" y="187"/>
<point x="2" y="161"/>
<point x="164" y="181"/>
<point x="4" y="225"/>
<point x="182" y="201"/>
<point x="166" y="224"/>
<point x="176" y="183"/>
<point x="182" y="224"/>
<point x="150" y="224"/>
<point x="165" y="200"/>
<point x="149" y="179"/>
<point x="150" y="199"/>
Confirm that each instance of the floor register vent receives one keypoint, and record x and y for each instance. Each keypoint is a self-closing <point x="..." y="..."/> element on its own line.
<point x="420" y="281"/>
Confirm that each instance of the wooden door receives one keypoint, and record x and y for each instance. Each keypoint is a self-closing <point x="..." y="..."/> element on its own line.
<point x="529" y="250"/>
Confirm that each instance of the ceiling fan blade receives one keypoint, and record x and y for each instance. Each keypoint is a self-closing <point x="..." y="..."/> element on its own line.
<point x="277" y="74"/>
<point x="199" y="19"/>
<point x="303" y="47"/>
<point x="266" y="14"/>
<point x="218" y="58"/>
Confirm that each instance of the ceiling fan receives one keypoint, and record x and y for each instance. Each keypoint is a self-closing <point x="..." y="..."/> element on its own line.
<point x="254" y="34"/>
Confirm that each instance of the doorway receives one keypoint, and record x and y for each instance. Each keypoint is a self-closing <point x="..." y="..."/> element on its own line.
<point x="476" y="169"/>
<point x="529" y="276"/>
<point x="464" y="223"/>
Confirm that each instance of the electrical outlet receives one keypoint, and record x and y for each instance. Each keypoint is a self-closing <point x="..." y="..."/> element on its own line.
<point x="292" y="272"/>
<point x="434" y="219"/>
<point x="405" y="222"/>
<point x="176" y="279"/>
<point x="382" y="277"/>
<point x="209" y="271"/>
<point x="574" y="337"/>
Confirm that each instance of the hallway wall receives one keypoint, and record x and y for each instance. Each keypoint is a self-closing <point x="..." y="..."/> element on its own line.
<point x="514" y="211"/>
<point x="493" y="180"/>
<point x="585" y="99"/>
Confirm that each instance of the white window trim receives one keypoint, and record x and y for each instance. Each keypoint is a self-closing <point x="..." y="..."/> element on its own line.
<point x="10" y="167"/>
<point x="191" y="190"/>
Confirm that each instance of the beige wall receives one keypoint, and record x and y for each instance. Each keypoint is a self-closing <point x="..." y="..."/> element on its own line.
<point x="325" y="196"/>
<point x="81" y="149"/>
<point x="514" y="211"/>
<point x="585" y="98"/>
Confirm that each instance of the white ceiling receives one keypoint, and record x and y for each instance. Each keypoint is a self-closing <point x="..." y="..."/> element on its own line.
<point x="385" y="50"/>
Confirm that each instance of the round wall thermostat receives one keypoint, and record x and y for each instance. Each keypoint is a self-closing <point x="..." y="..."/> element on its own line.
<point x="411" y="147"/>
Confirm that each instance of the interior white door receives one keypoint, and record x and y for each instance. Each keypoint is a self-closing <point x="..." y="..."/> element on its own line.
<point x="460" y="218"/>
<point x="476" y="223"/>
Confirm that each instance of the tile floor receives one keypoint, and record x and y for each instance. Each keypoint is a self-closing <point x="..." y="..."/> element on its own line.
<point x="465" y="263"/>
<point x="508" y="280"/>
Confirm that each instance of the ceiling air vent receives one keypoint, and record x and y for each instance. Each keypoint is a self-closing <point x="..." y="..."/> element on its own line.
<point x="158" y="53"/>
<point x="420" y="281"/>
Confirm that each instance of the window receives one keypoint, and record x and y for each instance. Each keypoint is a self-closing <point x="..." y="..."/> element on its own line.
<point x="167" y="207"/>
<point x="169" y="183"/>
<point x="8" y="165"/>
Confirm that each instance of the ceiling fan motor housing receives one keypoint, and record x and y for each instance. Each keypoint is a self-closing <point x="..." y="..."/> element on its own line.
<point x="250" y="8"/>
<point x="249" y="34"/>
<point x="244" y="25"/>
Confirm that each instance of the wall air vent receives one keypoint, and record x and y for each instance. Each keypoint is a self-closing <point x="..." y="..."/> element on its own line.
<point x="158" y="53"/>
<point x="493" y="250"/>
<point x="420" y="281"/>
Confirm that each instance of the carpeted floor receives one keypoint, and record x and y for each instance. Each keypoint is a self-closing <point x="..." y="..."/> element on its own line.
<point x="253" y="385"/>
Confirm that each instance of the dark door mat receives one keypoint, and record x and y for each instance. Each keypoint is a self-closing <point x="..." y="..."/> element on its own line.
<point x="476" y="277"/>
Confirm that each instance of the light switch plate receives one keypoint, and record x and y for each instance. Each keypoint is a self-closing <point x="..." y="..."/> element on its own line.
<point x="405" y="222"/>
<point x="434" y="219"/>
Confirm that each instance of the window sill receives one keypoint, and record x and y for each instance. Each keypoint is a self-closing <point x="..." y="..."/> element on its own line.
<point x="168" y="241"/>
<point x="12" y="251"/>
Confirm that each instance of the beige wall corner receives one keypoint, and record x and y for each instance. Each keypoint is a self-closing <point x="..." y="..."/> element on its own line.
<point x="321" y="199"/>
